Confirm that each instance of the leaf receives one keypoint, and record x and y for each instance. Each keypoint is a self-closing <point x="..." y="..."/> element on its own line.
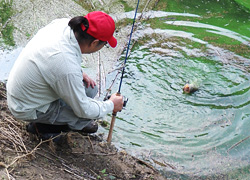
<point x="103" y="171"/>
<point x="112" y="177"/>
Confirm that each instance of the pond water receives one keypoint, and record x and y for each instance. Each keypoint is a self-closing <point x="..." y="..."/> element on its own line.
<point x="7" y="60"/>
<point x="199" y="135"/>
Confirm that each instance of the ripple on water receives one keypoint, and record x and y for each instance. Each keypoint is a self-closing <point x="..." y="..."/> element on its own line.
<point x="187" y="130"/>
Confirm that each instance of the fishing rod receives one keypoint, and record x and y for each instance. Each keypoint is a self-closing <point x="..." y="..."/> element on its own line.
<point x="120" y="85"/>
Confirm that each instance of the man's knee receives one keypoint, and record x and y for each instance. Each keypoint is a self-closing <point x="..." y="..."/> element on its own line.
<point x="91" y="92"/>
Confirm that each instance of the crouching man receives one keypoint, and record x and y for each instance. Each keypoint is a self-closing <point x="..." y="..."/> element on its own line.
<point x="47" y="86"/>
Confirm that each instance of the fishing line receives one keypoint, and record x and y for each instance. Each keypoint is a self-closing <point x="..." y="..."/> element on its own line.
<point x="123" y="69"/>
<point x="119" y="90"/>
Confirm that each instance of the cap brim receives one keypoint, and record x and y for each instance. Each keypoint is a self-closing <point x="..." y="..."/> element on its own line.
<point x="112" y="42"/>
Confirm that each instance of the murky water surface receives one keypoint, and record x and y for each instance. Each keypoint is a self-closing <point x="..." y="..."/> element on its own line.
<point x="7" y="60"/>
<point x="197" y="135"/>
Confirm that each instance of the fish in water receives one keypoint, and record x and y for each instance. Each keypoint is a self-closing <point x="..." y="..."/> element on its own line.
<point x="190" y="88"/>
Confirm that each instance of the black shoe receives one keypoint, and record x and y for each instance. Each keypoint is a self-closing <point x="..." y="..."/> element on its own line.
<point x="47" y="131"/>
<point x="37" y="128"/>
<point x="31" y="128"/>
<point x="91" y="127"/>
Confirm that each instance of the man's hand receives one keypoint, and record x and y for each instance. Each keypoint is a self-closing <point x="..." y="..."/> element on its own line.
<point x="117" y="99"/>
<point x="88" y="80"/>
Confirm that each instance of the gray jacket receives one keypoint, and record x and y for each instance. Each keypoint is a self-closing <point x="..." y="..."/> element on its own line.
<point x="49" y="68"/>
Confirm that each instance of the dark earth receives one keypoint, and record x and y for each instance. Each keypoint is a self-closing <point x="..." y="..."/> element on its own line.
<point x="75" y="156"/>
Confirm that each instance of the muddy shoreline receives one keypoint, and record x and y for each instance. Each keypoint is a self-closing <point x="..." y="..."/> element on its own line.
<point x="76" y="156"/>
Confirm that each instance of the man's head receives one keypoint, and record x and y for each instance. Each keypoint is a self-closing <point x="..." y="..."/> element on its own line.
<point x="93" y="31"/>
<point x="101" y="27"/>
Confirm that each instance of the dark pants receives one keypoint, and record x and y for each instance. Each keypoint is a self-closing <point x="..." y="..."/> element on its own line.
<point x="59" y="113"/>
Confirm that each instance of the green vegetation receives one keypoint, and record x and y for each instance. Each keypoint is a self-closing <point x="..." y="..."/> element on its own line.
<point x="105" y="175"/>
<point x="127" y="8"/>
<point x="6" y="28"/>
<point x="245" y="3"/>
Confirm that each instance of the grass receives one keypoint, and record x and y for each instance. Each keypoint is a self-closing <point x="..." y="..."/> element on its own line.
<point x="127" y="8"/>
<point x="6" y="29"/>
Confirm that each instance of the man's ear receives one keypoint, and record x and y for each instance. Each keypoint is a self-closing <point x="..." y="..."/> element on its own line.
<point x="94" y="43"/>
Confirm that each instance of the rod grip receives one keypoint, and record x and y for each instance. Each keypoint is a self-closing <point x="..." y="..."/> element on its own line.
<point x="111" y="128"/>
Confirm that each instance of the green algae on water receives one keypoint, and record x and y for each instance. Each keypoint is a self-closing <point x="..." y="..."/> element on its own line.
<point x="244" y="3"/>
<point x="213" y="23"/>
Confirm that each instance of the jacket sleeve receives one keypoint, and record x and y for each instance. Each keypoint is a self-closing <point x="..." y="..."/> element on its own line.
<point x="71" y="90"/>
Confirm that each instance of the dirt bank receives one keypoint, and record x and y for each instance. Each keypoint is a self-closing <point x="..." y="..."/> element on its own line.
<point x="76" y="156"/>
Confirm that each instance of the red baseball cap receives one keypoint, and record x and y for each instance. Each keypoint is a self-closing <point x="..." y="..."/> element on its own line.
<point x="101" y="26"/>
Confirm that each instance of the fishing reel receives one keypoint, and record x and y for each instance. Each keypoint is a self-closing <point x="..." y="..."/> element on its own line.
<point x="125" y="100"/>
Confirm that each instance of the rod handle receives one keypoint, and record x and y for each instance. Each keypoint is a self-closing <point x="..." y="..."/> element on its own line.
<point x="111" y="128"/>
